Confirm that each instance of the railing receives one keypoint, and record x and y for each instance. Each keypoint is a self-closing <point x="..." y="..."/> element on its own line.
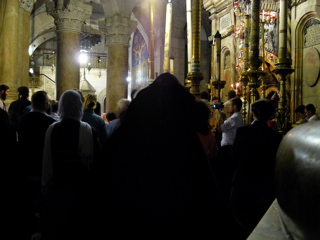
<point x="35" y="80"/>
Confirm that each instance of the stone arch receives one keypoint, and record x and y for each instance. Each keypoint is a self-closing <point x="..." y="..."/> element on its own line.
<point x="297" y="96"/>
<point x="101" y="98"/>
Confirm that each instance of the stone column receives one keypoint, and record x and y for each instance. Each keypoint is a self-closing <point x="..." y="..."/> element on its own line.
<point x="118" y="30"/>
<point x="69" y="17"/>
<point x="195" y="75"/>
<point x="25" y="9"/>
<point x="9" y="29"/>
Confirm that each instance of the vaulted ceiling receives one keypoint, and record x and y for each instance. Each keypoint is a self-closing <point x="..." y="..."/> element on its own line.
<point x="43" y="28"/>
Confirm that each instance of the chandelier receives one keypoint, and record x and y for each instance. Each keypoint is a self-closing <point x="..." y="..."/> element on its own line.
<point x="88" y="41"/>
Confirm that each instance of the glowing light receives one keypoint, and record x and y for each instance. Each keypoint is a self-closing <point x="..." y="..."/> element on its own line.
<point x="83" y="57"/>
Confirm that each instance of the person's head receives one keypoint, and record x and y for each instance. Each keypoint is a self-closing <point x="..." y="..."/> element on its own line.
<point x="4" y="90"/>
<point x="236" y="105"/>
<point x="300" y="111"/>
<point x="90" y="101"/>
<point x="23" y="92"/>
<point x="214" y="99"/>
<point x="231" y="94"/>
<point x="40" y="101"/>
<point x="205" y="95"/>
<point x="123" y="105"/>
<point x="310" y="110"/>
<point x="110" y="116"/>
<point x="263" y="110"/>
<point x="82" y="98"/>
<point x="71" y="105"/>
<point x="297" y="178"/>
<point x="166" y="99"/>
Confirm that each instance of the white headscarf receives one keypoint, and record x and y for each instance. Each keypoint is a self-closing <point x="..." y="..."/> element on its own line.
<point x="70" y="107"/>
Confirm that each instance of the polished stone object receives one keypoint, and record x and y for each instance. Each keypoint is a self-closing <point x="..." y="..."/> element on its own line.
<point x="295" y="214"/>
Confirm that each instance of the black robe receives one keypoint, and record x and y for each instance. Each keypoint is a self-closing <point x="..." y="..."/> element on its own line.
<point x="162" y="186"/>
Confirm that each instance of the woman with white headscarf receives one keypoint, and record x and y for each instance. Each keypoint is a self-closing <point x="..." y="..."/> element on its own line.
<point x="71" y="147"/>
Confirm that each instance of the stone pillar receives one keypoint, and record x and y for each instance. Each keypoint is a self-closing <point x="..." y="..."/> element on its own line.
<point x="9" y="29"/>
<point x="195" y="75"/>
<point x="25" y="9"/>
<point x="69" y="17"/>
<point x="118" y="30"/>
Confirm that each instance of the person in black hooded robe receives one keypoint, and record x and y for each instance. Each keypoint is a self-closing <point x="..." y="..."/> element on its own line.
<point x="161" y="182"/>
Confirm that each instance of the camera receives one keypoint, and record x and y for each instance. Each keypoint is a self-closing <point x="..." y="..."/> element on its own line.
<point x="217" y="105"/>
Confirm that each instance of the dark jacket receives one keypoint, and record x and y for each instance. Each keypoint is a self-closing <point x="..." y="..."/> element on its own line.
<point x="253" y="154"/>
<point x="32" y="129"/>
<point x="16" y="110"/>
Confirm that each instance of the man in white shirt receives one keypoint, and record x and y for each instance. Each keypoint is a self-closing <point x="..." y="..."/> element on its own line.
<point x="311" y="113"/>
<point x="231" y="94"/>
<point x="228" y="129"/>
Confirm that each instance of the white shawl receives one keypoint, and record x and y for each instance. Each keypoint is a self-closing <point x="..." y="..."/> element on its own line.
<point x="70" y="107"/>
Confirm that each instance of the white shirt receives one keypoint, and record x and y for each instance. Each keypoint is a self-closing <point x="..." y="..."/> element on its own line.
<point x="314" y="117"/>
<point x="2" y="105"/>
<point x="229" y="128"/>
<point x="226" y="107"/>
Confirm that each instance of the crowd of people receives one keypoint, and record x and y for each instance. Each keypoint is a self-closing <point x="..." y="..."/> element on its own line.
<point x="167" y="165"/>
